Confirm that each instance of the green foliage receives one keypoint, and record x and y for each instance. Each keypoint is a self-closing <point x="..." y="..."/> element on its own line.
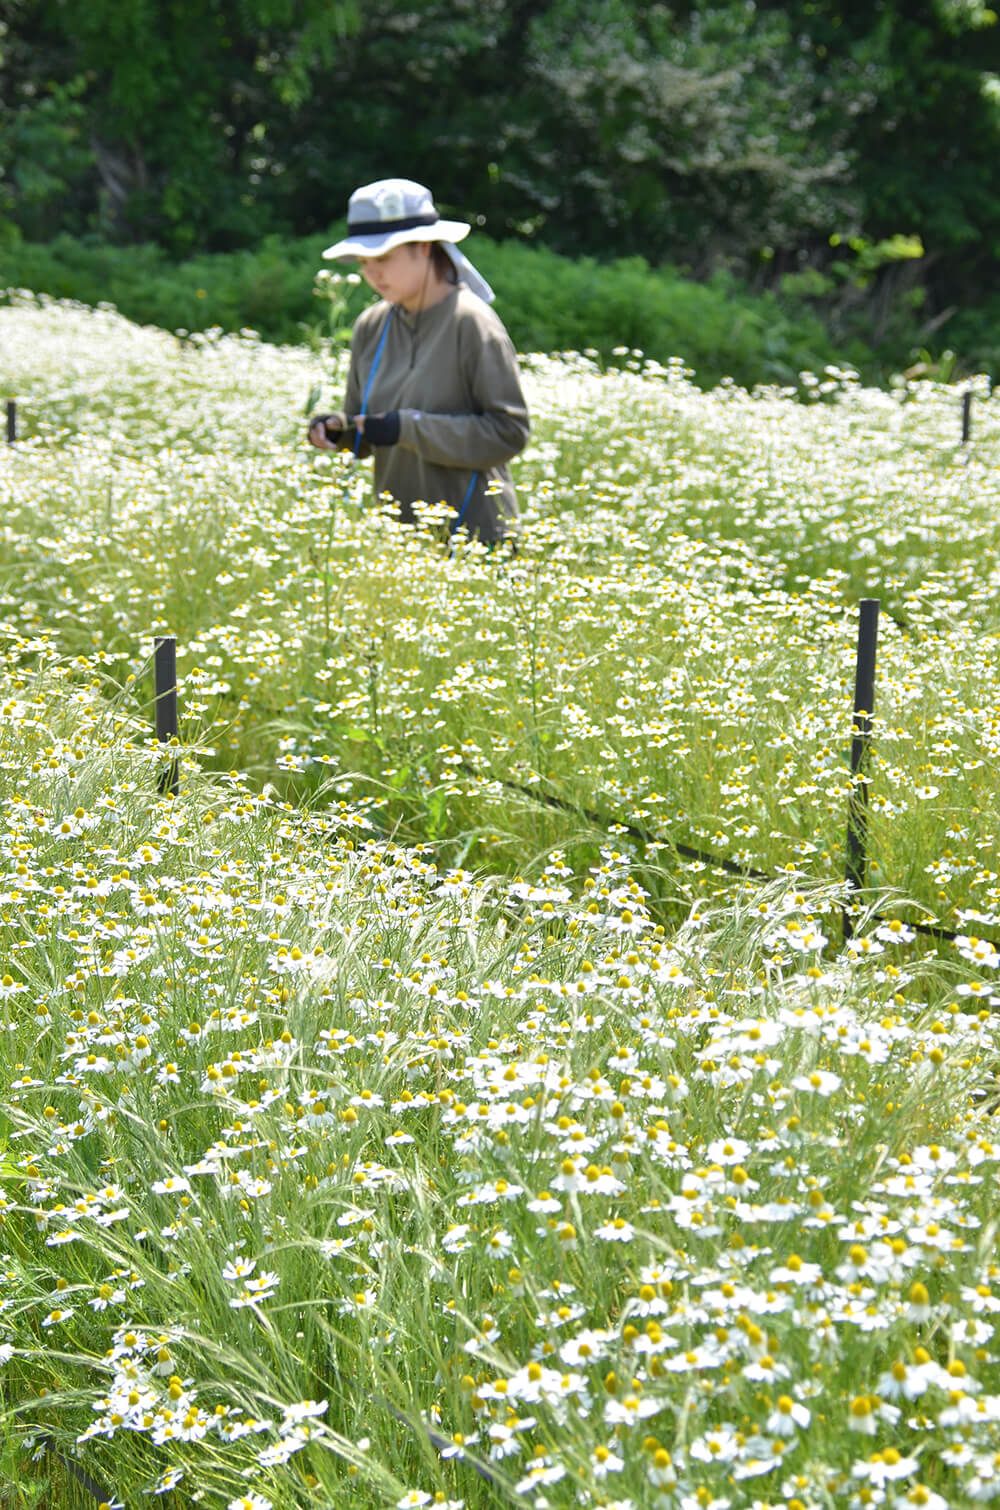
<point x="923" y="141"/>
<point x="173" y="102"/>
<point x="871" y="292"/>
<point x="553" y="303"/>
<point x="652" y="134"/>
<point x="978" y="330"/>
<point x="268" y="289"/>
<point x="18" y="1490"/>
<point x="703" y="134"/>
<point x="548" y="302"/>
<point x="46" y="152"/>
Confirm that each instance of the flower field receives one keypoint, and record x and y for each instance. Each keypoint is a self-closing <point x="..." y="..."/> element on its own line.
<point x="414" y="1109"/>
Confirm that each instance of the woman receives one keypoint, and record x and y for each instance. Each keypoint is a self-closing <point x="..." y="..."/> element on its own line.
<point x="433" y="388"/>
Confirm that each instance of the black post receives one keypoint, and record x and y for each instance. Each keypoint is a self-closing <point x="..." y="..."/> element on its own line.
<point x="11" y="421"/>
<point x="165" y="670"/>
<point x="864" y="702"/>
<point x="966" y="416"/>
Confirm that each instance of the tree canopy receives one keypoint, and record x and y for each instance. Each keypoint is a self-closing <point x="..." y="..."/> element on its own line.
<point x="764" y="137"/>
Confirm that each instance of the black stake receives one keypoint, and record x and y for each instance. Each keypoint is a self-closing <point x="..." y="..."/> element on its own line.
<point x="11" y="421"/>
<point x="165" y="669"/>
<point x="864" y="701"/>
<point x="966" y="416"/>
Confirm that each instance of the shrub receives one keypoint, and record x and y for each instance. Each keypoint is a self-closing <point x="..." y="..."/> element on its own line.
<point x="548" y="302"/>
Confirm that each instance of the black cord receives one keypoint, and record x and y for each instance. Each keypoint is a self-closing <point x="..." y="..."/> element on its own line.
<point x="686" y="851"/>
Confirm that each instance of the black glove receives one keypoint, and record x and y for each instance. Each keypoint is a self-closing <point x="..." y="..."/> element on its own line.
<point x="336" y="430"/>
<point x="382" y="429"/>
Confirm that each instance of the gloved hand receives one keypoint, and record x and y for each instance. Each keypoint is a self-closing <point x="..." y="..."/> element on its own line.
<point x="331" y="432"/>
<point x="380" y="429"/>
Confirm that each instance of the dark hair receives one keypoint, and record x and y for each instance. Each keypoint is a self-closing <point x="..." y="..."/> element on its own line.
<point x="443" y="265"/>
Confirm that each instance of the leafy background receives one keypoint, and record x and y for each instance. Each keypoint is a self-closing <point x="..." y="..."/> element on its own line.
<point x="838" y="155"/>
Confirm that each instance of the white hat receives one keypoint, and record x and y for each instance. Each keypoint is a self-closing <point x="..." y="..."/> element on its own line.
<point x="393" y="211"/>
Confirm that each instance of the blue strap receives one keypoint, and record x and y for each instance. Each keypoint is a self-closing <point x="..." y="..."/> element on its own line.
<point x="371" y="376"/>
<point x="465" y="501"/>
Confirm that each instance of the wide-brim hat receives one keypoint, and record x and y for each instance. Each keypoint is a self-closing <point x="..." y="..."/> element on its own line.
<point x="387" y="214"/>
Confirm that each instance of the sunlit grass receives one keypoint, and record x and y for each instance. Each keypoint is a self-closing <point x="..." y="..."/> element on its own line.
<point x="525" y="1160"/>
<point x="672" y="649"/>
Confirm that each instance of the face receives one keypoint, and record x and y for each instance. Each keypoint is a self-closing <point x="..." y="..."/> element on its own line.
<point x="402" y="276"/>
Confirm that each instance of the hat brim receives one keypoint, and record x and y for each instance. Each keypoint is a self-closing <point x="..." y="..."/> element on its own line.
<point x="375" y="246"/>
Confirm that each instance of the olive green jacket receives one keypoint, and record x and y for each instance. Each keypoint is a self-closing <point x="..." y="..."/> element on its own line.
<point x="451" y="372"/>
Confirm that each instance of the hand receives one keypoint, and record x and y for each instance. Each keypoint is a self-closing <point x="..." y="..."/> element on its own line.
<point x="326" y="431"/>
<point x="379" y="429"/>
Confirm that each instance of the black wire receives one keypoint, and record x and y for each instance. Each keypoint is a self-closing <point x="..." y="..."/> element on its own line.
<point x="687" y="851"/>
<point x="102" y="1496"/>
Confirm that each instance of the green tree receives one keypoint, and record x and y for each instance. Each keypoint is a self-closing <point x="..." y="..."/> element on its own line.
<point x="923" y="146"/>
<point x="802" y="139"/>
<point x="167" y="103"/>
<point x="599" y="125"/>
<point x="684" y="135"/>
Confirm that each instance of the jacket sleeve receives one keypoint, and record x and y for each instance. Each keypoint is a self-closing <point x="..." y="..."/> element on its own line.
<point x="497" y="427"/>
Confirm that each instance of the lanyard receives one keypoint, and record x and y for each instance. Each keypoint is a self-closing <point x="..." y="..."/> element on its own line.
<point x="371" y="377"/>
<point x="465" y="502"/>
